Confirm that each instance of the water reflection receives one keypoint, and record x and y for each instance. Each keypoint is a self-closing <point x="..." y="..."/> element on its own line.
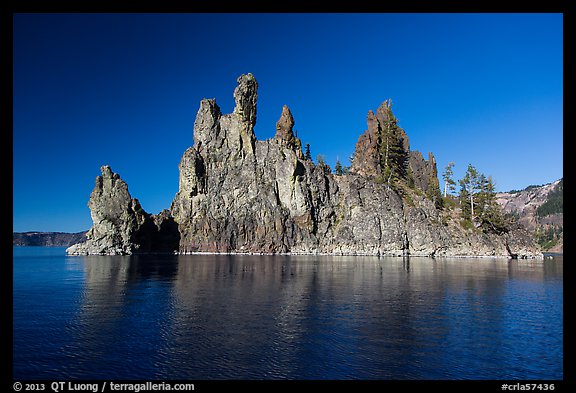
<point x="117" y="319"/>
<point x="306" y="317"/>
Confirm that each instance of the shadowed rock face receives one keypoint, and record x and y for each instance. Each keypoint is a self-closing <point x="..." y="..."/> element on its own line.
<point x="239" y="194"/>
<point x="366" y="156"/>
<point x="424" y="172"/>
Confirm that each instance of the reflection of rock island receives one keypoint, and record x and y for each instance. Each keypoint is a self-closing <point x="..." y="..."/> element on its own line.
<point x="118" y="291"/>
<point x="239" y="194"/>
<point x="195" y="311"/>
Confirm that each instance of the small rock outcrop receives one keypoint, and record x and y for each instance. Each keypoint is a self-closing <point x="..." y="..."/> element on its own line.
<point x="424" y="173"/>
<point x="366" y="156"/>
<point x="240" y="194"/>
<point x="382" y="135"/>
<point x="284" y="133"/>
<point x="121" y="226"/>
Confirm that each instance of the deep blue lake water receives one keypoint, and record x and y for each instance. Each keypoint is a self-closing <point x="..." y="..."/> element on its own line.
<point x="285" y="317"/>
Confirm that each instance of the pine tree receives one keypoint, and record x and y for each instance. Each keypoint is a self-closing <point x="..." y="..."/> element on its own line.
<point x="481" y="196"/>
<point x="491" y="215"/>
<point x="449" y="183"/>
<point x="478" y="202"/>
<point x="393" y="156"/>
<point x="321" y="163"/>
<point x="464" y="200"/>
<point x="554" y="201"/>
<point x="433" y="191"/>
<point x="338" y="168"/>
<point x="307" y="153"/>
<point x="469" y="186"/>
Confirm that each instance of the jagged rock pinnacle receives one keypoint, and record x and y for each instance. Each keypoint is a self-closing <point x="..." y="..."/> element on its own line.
<point x="245" y="96"/>
<point x="121" y="226"/>
<point x="366" y="157"/>
<point x="284" y="134"/>
<point x="285" y="124"/>
<point x="207" y="123"/>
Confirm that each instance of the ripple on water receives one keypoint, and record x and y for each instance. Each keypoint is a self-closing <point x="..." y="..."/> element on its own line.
<point x="264" y="317"/>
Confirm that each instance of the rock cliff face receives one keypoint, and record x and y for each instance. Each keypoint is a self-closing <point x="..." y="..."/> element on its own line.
<point x="526" y="202"/>
<point x="240" y="194"/>
<point x="525" y="205"/>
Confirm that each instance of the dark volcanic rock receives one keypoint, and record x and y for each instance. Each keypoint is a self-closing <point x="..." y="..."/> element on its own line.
<point x="424" y="172"/>
<point x="367" y="157"/>
<point x="166" y="238"/>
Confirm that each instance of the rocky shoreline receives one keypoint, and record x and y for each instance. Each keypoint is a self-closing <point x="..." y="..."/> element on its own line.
<point x="503" y="257"/>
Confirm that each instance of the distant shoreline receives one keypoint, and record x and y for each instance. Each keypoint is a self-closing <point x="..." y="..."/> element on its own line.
<point x="47" y="239"/>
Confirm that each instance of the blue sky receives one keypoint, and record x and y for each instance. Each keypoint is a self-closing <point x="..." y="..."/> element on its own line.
<point x="124" y="89"/>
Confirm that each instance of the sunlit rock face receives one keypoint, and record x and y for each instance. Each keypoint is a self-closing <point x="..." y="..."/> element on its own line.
<point x="120" y="225"/>
<point x="240" y="194"/>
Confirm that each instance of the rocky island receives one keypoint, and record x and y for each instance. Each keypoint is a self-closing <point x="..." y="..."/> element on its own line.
<point x="238" y="194"/>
